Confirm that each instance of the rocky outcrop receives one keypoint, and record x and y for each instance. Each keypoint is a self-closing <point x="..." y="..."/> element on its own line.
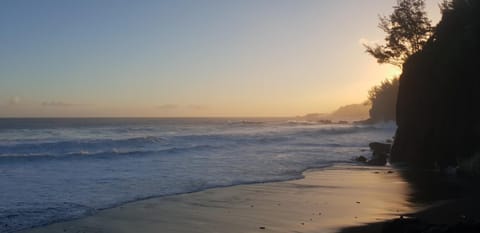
<point x="380" y="153"/>
<point x="439" y="93"/>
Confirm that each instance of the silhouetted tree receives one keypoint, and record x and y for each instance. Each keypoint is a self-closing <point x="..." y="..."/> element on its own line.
<point x="407" y="29"/>
<point x="446" y="5"/>
<point x="383" y="99"/>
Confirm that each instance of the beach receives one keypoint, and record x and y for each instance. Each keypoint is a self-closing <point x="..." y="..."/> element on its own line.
<point x="325" y="200"/>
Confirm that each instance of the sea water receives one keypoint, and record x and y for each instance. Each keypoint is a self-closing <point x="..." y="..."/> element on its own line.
<point x="59" y="169"/>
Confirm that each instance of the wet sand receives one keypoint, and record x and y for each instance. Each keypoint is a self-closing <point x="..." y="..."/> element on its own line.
<point x="448" y="200"/>
<point x="325" y="200"/>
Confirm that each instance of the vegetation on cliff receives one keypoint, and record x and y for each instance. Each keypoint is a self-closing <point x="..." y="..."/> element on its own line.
<point x="383" y="100"/>
<point x="407" y="31"/>
<point x="439" y="93"/>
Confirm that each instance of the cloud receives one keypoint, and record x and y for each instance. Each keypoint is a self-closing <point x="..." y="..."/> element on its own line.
<point x="56" y="104"/>
<point x="14" y="100"/>
<point x="167" y="107"/>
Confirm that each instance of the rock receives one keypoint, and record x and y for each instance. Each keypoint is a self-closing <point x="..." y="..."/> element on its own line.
<point x="377" y="162"/>
<point x="381" y="148"/>
<point x="378" y="159"/>
<point x="262" y="228"/>
<point x="381" y="152"/>
<point x="361" y="159"/>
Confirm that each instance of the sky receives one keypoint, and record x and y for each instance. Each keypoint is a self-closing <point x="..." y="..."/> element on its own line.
<point x="188" y="58"/>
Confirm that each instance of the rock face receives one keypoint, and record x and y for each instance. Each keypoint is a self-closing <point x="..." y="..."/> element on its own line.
<point x="438" y="102"/>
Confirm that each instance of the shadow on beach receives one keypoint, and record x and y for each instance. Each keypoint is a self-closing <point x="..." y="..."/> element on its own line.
<point x="450" y="200"/>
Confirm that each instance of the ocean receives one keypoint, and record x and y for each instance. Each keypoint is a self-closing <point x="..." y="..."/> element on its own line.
<point x="59" y="169"/>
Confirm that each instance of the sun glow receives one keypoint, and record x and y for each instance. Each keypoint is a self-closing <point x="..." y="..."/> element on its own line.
<point x="393" y="72"/>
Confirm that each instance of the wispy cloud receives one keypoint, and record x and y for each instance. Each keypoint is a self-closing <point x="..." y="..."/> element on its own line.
<point x="56" y="104"/>
<point x="167" y="107"/>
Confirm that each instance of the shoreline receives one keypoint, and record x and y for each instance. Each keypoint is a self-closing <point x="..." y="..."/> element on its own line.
<point x="324" y="200"/>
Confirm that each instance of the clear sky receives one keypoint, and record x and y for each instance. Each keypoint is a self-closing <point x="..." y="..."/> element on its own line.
<point x="152" y="58"/>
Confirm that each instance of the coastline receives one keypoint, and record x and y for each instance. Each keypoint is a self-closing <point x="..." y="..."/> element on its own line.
<point x="325" y="200"/>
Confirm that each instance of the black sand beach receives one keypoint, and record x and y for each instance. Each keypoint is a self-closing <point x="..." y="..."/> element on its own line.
<point x="326" y="200"/>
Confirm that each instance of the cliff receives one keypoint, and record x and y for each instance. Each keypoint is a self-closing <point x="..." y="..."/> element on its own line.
<point x="438" y="101"/>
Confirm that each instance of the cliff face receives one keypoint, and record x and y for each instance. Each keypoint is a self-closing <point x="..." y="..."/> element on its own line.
<point x="439" y="93"/>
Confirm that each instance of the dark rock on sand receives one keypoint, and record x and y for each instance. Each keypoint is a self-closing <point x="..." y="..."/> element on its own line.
<point x="381" y="151"/>
<point x="381" y="148"/>
<point x="379" y="160"/>
<point x="380" y="154"/>
<point x="361" y="159"/>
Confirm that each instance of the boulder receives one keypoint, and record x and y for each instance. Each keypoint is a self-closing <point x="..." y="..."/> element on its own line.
<point x="380" y="148"/>
<point x="361" y="159"/>
<point x="378" y="159"/>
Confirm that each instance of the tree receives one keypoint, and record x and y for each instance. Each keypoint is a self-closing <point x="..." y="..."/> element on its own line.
<point x="446" y="6"/>
<point x="383" y="99"/>
<point x="407" y="29"/>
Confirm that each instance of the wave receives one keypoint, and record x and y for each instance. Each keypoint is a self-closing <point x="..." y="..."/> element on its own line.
<point x="246" y="123"/>
<point x="302" y="123"/>
<point x="115" y="165"/>
<point x="110" y="153"/>
<point x="24" y="216"/>
<point x="176" y="143"/>
<point x="79" y="146"/>
<point x="32" y="214"/>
